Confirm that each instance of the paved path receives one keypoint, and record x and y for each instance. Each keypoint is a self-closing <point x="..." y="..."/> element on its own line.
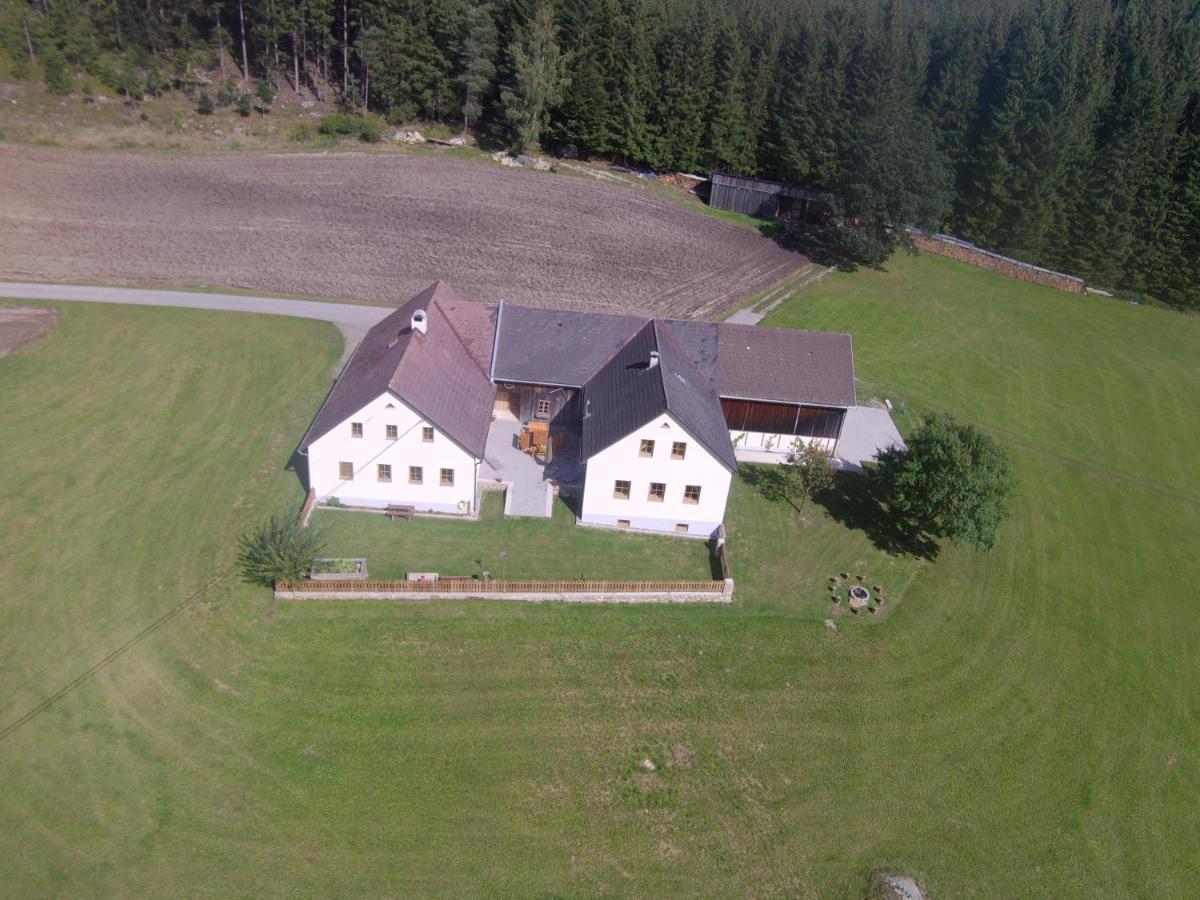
<point x="344" y="315"/>
<point x="531" y="494"/>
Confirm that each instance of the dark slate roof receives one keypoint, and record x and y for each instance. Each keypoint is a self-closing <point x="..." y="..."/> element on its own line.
<point x="785" y="365"/>
<point x="438" y="374"/>
<point x="627" y="392"/>
<point x="546" y="346"/>
<point x="552" y="346"/>
<point x="701" y="340"/>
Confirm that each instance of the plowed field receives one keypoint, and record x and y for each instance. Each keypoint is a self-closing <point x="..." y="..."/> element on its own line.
<point x="373" y="227"/>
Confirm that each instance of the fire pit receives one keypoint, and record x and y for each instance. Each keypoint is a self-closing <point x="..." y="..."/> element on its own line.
<point x="859" y="596"/>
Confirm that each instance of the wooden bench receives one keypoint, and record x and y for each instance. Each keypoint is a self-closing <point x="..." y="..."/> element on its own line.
<point x="401" y="512"/>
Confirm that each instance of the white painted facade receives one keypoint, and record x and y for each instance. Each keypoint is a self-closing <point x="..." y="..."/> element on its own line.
<point x="375" y="448"/>
<point x="623" y="461"/>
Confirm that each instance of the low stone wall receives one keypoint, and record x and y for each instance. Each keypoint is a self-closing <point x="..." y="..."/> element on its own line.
<point x="723" y="596"/>
<point x="954" y="248"/>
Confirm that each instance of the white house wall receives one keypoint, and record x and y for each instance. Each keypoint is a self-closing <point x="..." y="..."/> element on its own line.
<point x="622" y="461"/>
<point x="408" y="449"/>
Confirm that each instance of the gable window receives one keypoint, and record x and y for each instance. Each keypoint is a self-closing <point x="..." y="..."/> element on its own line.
<point x="383" y="473"/>
<point x="678" y="450"/>
<point x="346" y="471"/>
<point x="647" y="448"/>
<point x="691" y="493"/>
<point x="542" y="409"/>
<point x="393" y="432"/>
<point x="621" y="490"/>
<point x="447" y="479"/>
<point x="658" y="492"/>
<point x="427" y="434"/>
<point x="356" y="429"/>
<point x="416" y="475"/>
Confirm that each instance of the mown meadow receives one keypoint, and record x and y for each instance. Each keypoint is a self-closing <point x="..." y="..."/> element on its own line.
<point x="1020" y="723"/>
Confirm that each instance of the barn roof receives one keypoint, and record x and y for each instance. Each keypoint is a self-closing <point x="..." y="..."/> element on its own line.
<point x="438" y="374"/>
<point x="786" y="365"/>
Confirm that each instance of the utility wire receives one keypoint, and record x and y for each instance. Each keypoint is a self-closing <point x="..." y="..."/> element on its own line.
<point x="144" y="633"/>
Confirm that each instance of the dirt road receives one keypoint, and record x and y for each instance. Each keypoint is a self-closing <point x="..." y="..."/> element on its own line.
<point x="375" y="227"/>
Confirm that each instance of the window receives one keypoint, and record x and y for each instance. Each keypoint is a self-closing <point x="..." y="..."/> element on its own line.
<point x="427" y="434"/>
<point x="691" y="493"/>
<point x="383" y="473"/>
<point x="681" y="528"/>
<point x="621" y="490"/>
<point x="542" y="409"/>
<point x="447" y="478"/>
<point x="622" y="523"/>
<point x="356" y="429"/>
<point x="647" y="448"/>
<point x="658" y="491"/>
<point x="678" y="450"/>
<point x="393" y="432"/>
<point x="346" y="471"/>
<point x="416" y="475"/>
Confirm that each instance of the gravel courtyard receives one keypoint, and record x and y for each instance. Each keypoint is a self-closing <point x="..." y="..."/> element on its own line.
<point x="374" y="227"/>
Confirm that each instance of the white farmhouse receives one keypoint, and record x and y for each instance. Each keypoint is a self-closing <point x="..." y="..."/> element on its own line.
<point x="655" y="445"/>
<point x="407" y="420"/>
<point x="642" y="420"/>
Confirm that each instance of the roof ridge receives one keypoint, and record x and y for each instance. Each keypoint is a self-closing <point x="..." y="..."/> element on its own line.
<point x="600" y="368"/>
<point x="457" y="334"/>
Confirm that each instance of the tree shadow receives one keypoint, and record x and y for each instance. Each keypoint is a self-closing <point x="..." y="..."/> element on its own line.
<point x="771" y="482"/>
<point x="855" y="502"/>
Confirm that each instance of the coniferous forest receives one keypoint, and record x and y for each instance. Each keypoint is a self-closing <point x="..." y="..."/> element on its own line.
<point x="1062" y="132"/>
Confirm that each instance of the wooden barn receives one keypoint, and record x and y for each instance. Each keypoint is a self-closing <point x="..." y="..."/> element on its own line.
<point x="767" y="199"/>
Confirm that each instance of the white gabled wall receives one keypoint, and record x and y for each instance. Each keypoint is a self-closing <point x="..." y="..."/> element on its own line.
<point x="408" y="449"/>
<point x="623" y="461"/>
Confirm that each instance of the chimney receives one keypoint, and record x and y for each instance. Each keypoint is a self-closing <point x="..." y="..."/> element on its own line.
<point x="419" y="322"/>
<point x="653" y="358"/>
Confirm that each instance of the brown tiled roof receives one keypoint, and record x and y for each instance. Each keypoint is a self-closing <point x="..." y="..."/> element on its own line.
<point x="785" y="365"/>
<point x="438" y="374"/>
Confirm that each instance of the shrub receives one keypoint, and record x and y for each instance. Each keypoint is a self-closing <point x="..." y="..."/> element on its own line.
<point x="204" y="105"/>
<point x="54" y="66"/>
<point x="340" y="124"/>
<point x="301" y="133"/>
<point x="264" y="93"/>
<point x="244" y="105"/>
<point x="227" y="93"/>
<point x="279" y="549"/>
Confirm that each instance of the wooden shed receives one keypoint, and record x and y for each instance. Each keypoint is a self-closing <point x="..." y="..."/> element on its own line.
<point x="767" y="199"/>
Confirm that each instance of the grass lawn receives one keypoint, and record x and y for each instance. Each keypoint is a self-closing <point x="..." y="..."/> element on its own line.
<point x="515" y="548"/>
<point x="1022" y="723"/>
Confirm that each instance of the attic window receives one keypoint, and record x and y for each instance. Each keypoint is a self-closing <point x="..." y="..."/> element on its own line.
<point x="356" y="429"/>
<point x="390" y="406"/>
<point x="427" y="434"/>
<point x="393" y="432"/>
<point x="678" y="450"/>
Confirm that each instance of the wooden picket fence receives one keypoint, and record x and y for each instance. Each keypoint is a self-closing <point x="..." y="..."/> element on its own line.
<point x="468" y="585"/>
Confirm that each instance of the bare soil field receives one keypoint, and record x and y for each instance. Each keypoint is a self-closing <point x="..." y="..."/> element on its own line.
<point x="22" y="325"/>
<point x="373" y="227"/>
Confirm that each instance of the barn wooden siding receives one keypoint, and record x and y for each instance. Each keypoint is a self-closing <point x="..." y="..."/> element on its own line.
<point x="765" y="199"/>
<point x="783" y="418"/>
<point x="523" y="399"/>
